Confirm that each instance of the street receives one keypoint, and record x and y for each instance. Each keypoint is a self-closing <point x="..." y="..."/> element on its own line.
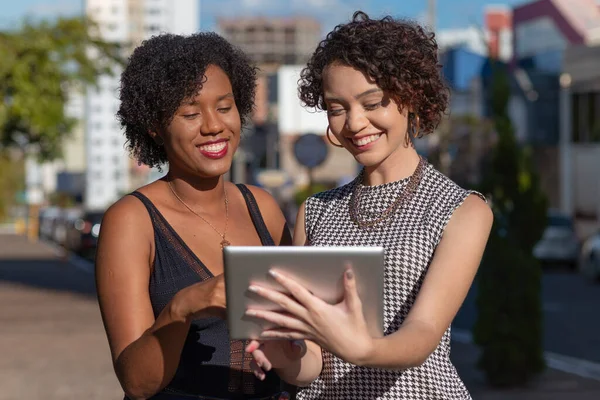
<point x="571" y="317"/>
<point x="54" y="347"/>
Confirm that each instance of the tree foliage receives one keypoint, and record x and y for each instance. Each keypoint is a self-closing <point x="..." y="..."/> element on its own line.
<point x="42" y="64"/>
<point x="509" y="327"/>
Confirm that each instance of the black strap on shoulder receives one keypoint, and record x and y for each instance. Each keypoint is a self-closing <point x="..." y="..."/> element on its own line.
<point x="255" y="214"/>
<point x="147" y="203"/>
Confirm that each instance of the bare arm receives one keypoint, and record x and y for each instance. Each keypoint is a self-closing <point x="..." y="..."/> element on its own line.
<point x="311" y="364"/>
<point x="444" y="289"/>
<point x="307" y="368"/>
<point x="145" y="351"/>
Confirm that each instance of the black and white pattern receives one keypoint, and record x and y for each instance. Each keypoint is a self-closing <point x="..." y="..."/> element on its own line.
<point x="409" y="240"/>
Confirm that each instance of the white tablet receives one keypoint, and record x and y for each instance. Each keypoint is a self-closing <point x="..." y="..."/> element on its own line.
<point x="319" y="269"/>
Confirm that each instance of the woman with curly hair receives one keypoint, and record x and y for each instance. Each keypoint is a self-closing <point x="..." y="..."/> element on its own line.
<point x="379" y="82"/>
<point x="159" y="265"/>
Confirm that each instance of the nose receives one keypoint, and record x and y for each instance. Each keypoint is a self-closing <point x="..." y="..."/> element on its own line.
<point x="356" y="121"/>
<point x="211" y="123"/>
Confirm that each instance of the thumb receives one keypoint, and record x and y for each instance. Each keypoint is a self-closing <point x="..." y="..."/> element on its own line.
<point x="350" y="292"/>
<point x="252" y="346"/>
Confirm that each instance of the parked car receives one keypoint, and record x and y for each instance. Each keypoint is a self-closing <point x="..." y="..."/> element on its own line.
<point x="48" y="219"/>
<point x="559" y="243"/>
<point x="82" y="235"/>
<point x="589" y="262"/>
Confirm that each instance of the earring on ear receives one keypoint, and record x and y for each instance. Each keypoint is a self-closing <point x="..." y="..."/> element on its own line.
<point x="329" y="138"/>
<point x="416" y="126"/>
<point x="412" y="131"/>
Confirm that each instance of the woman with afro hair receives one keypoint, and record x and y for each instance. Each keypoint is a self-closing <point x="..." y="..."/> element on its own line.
<point x="159" y="264"/>
<point x="378" y="80"/>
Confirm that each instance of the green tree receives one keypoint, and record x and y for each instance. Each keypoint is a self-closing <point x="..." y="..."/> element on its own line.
<point x="509" y="327"/>
<point x="42" y="63"/>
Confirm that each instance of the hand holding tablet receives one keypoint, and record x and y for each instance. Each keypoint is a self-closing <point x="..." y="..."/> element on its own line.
<point x="316" y="272"/>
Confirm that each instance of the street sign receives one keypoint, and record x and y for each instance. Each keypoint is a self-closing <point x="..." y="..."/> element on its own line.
<point x="310" y="150"/>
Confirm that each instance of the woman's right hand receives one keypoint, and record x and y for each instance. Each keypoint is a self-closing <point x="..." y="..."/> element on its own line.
<point x="203" y="299"/>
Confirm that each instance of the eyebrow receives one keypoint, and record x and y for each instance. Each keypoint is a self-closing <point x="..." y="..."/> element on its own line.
<point x="225" y="96"/>
<point x="193" y="102"/>
<point x="358" y="96"/>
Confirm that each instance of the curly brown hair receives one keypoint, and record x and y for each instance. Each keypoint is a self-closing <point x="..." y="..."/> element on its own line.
<point x="399" y="55"/>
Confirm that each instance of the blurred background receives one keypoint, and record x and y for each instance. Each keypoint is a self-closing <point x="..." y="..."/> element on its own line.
<point x="523" y="127"/>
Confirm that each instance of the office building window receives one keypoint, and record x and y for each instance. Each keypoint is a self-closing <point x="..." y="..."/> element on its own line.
<point x="152" y="28"/>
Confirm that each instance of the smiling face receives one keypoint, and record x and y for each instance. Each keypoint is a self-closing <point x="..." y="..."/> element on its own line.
<point x="365" y="119"/>
<point x="205" y="130"/>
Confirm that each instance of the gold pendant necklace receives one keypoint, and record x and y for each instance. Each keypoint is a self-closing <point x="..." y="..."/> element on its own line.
<point x="224" y="242"/>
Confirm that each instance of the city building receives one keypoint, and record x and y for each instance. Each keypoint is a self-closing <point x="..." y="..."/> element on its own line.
<point x="580" y="133"/>
<point x="274" y="44"/>
<point x="294" y="120"/>
<point x="65" y="176"/>
<point x="110" y="171"/>
<point x="544" y="31"/>
<point x="273" y="41"/>
<point x="493" y="39"/>
<point x="465" y="54"/>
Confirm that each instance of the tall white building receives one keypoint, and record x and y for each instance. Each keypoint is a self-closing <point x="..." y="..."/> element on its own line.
<point x="110" y="171"/>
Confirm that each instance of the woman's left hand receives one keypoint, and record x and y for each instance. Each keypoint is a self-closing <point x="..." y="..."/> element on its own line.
<point x="270" y="354"/>
<point x="341" y="328"/>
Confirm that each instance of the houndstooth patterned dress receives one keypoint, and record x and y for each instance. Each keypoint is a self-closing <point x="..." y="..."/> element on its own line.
<point x="409" y="240"/>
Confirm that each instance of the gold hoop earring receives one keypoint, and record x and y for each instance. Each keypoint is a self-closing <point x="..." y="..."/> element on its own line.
<point x="329" y="138"/>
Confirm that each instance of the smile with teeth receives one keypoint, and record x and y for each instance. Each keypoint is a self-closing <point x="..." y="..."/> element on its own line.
<point x="213" y="147"/>
<point x="366" y="140"/>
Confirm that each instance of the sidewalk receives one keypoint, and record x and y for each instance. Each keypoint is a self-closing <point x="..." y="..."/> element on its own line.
<point x="551" y="385"/>
<point x="53" y="344"/>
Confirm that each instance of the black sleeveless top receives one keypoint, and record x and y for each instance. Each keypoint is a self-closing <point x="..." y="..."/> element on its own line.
<point x="211" y="365"/>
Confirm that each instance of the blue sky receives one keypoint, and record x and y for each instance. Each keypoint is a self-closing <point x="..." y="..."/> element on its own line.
<point x="450" y="13"/>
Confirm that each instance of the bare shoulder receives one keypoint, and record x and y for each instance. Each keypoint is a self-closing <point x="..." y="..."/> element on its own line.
<point x="262" y="196"/>
<point x="272" y="214"/>
<point x="300" y="237"/>
<point x="125" y="225"/>
<point x="128" y="211"/>
<point x="266" y="202"/>
<point x="474" y="213"/>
